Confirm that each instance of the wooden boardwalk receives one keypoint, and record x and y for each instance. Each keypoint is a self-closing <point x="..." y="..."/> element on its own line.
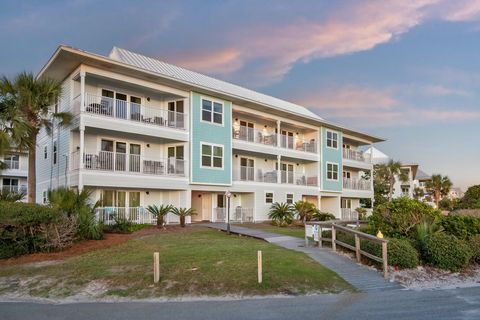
<point x="360" y="276"/>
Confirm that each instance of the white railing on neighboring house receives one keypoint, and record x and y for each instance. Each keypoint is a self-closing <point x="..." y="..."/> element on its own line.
<point x="295" y="143"/>
<point x="253" y="135"/>
<point x="122" y="162"/>
<point x="120" y="109"/>
<point x="15" y="189"/>
<point x="237" y="214"/>
<point x="12" y="164"/>
<point x="356" y="155"/>
<point x="357" y="184"/>
<point x="349" y="214"/>
<point x="136" y="215"/>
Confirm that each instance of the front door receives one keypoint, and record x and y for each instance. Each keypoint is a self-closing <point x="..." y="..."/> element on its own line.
<point x="287" y="173"/>
<point x="247" y="169"/>
<point x="134" y="157"/>
<point x="247" y="131"/>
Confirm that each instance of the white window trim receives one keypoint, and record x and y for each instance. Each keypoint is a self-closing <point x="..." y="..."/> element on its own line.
<point x="55" y="152"/>
<point x="212" y="145"/>
<point x="212" y="101"/>
<point x="44" y="197"/>
<point x="326" y="171"/>
<point x="45" y="152"/>
<point x="265" y="197"/>
<point x="326" y="139"/>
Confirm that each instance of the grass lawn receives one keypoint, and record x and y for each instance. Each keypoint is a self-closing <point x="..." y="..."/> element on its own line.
<point x="294" y="231"/>
<point x="198" y="262"/>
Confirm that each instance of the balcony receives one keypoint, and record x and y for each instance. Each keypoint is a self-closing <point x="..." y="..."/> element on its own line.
<point x="269" y="138"/>
<point x="355" y="155"/>
<point x="357" y="184"/>
<point x="131" y="163"/>
<point x="136" y="215"/>
<point x="125" y="110"/>
<point x="14" y="189"/>
<point x="271" y="176"/>
<point x="237" y="214"/>
<point x="12" y="164"/>
<point x="349" y="214"/>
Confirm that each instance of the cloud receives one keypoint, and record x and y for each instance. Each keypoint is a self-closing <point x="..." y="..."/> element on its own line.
<point x="364" y="107"/>
<point x="350" y="27"/>
<point x="440" y="90"/>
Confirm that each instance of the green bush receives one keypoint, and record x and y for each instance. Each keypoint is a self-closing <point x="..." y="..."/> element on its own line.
<point x="447" y="252"/>
<point x="281" y="214"/>
<point x="399" y="217"/>
<point x="462" y="227"/>
<point x="322" y="216"/>
<point x="475" y="247"/>
<point x="400" y="253"/>
<point x="26" y="214"/>
<point x="471" y="199"/>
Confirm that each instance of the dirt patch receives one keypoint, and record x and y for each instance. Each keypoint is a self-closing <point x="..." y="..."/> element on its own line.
<point x="80" y="247"/>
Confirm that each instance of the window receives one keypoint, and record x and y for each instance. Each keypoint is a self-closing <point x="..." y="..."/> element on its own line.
<point x="332" y="139"/>
<point x="44" y="197"/>
<point x="12" y="161"/>
<point x="332" y="171"/>
<point x="289" y="198"/>
<point x="347" y="174"/>
<point x="212" y="156"/>
<point x="212" y="111"/>
<point x="346" y="203"/>
<point x="220" y="200"/>
<point x="45" y="152"/>
<point x="268" y="197"/>
<point x="55" y="153"/>
<point x="405" y="191"/>
<point x="10" y="185"/>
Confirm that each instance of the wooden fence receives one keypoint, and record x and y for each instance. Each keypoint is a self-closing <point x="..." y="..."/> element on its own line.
<point x="335" y="226"/>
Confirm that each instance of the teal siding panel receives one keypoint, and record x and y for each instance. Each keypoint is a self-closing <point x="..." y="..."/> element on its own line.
<point x="210" y="133"/>
<point x="330" y="155"/>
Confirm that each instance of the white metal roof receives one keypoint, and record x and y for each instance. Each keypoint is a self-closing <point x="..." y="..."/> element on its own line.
<point x="195" y="78"/>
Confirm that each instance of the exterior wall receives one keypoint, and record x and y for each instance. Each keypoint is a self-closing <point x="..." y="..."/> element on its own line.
<point x="210" y="133"/>
<point x="331" y="205"/>
<point x="330" y="155"/>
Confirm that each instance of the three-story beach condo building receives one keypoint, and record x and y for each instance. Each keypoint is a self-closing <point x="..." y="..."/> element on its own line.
<point x="148" y="132"/>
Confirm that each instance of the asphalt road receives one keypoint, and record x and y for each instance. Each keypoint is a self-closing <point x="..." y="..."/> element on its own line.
<point x="393" y="304"/>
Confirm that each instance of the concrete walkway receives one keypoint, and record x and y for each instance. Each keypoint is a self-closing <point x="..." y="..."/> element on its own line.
<point x="358" y="275"/>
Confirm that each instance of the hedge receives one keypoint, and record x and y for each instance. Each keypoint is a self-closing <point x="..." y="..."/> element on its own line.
<point x="462" y="227"/>
<point x="445" y="251"/>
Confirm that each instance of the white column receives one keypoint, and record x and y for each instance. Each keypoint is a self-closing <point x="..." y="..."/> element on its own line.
<point x="82" y="91"/>
<point x="278" y="134"/>
<point x="279" y="171"/>
<point x="82" y="130"/>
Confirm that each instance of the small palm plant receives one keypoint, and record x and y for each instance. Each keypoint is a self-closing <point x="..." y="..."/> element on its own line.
<point x="304" y="210"/>
<point x="160" y="213"/>
<point x="182" y="213"/>
<point x="282" y="214"/>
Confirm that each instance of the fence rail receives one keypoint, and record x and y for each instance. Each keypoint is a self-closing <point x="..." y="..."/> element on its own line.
<point x="356" y="155"/>
<point x="136" y="215"/>
<point x="237" y="214"/>
<point x="356" y="184"/>
<point x="359" y="236"/>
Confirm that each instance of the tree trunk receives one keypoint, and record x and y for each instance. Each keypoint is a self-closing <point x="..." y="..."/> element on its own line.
<point x="159" y="221"/>
<point x="32" y="169"/>
<point x="182" y="221"/>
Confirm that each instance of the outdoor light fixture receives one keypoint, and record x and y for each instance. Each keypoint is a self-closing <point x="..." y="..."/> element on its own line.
<point x="148" y="145"/>
<point x="148" y="98"/>
<point x="148" y="192"/>
<point x="228" y="195"/>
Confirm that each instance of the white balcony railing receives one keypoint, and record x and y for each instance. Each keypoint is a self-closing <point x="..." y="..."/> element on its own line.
<point x="12" y="164"/>
<point x="356" y="184"/>
<point x="349" y="214"/>
<point x="355" y="155"/>
<point x="136" y="215"/>
<point x="122" y="162"/>
<point x="237" y="214"/>
<point x="254" y="135"/>
<point x="295" y="143"/>
<point x="298" y="178"/>
<point x="120" y="109"/>
<point x="14" y="189"/>
<point x="251" y="174"/>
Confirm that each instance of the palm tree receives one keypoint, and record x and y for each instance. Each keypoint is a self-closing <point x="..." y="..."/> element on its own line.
<point x="439" y="186"/>
<point x="281" y="214"/>
<point x="160" y="213"/>
<point x="32" y="98"/>
<point x="304" y="209"/>
<point x="182" y="213"/>
<point x="388" y="172"/>
<point x="418" y="193"/>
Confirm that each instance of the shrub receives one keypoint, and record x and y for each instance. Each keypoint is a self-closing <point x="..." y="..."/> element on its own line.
<point x="475" y="247"/>
<point x="304" y="209"/>
<point x="160" y="213"/>
<point x="471" y="199"/>
<point x="400" y="253"/>
<point x="281" y="214"/>
<point x="399" y="217"/>
<point x="323" y="216"/>
<point x="182" y="213"/>
<point x="447" y="252"/>
<point x="423" y="232"/>
<point x="462" y="227"/>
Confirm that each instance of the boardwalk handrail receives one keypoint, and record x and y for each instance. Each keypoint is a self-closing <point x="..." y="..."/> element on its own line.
<point x="337" y="225"/>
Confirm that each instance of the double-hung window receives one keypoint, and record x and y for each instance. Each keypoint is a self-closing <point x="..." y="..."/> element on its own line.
<point x="332" y="171"/>
<point x="212" y="156"/>
<point x="289" y="198"/>
<point x="332" y="139"/>
<point x="55" y="152"/>
<point x="212" y="111"/>
<point x="268" y="197"/>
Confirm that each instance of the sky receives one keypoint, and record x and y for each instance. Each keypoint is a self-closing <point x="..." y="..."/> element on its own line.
<point x="408" y="71"/>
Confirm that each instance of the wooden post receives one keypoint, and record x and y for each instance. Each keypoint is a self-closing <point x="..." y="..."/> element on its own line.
<point x="319" y="236"/>
<point x="385" y="259"/>
<point x="259" y="258"/>
<point x="334" y="238"/>
<point x="306" y="238"/>
<point x="156" y="267"/>
<point x="357" y="247"/>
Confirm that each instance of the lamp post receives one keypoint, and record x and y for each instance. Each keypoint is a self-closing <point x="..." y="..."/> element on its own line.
<point x="228" y="194"/>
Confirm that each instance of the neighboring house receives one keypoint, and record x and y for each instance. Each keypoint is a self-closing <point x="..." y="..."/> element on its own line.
<point x="14" y="177"/>
<point x="147" y="132"/>
<point x="416" y="177"/>
<point x="455" y="193"/>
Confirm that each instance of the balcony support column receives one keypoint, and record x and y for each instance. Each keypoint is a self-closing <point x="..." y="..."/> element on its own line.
<point x="81" y="158"/>
<point x="278" y="134"/>
<point x="82" y="91"/>
<point x="279" y="171"/>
